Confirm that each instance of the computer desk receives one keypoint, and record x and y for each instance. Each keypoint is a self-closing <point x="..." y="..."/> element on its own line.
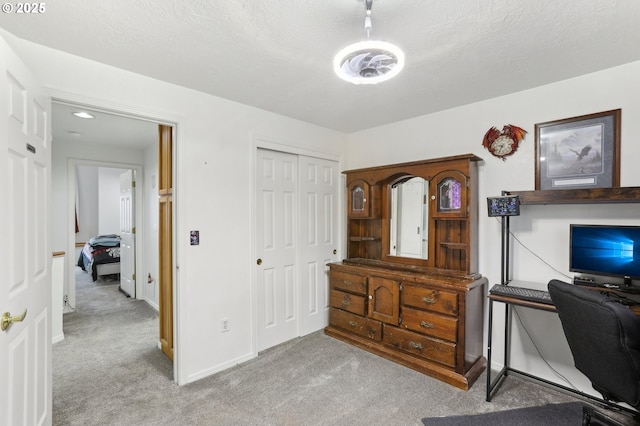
<point x="511" y="302"/>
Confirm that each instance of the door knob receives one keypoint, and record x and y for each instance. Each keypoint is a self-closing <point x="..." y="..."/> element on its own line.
<point x="335" y="251"/>
<point x="259" y="261"/>
<point x="7" y="319"/>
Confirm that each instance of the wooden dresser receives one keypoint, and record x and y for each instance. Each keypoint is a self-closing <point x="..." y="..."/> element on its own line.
<point x="414" y="299"/>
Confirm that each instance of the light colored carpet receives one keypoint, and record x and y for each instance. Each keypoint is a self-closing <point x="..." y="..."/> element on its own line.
<point x="109" y="371"/>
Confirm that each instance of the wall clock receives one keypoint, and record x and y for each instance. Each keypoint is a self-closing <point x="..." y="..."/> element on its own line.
<point x="505" y="143"/>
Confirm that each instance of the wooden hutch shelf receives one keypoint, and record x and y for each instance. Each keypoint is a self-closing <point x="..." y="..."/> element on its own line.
<point x="629" y="194"/>
<point x="409" y="289"/>
<point x="459" y="246"/>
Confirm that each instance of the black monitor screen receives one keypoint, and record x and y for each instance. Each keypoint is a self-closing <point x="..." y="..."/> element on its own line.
<point x="605" y="250"/>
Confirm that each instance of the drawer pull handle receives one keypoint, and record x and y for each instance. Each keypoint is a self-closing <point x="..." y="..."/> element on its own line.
<point x="347" y="282"/>
<point x="425" y="324"/>
<point x="353" y="323"/>
<point x="415" y="345"/>
<point x="429" y="300"/>
<point x="346" y="301"/>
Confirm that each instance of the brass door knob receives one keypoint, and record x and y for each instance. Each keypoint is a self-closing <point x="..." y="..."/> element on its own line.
<point x="259" y="261"/>
<point x="7" y="319"/>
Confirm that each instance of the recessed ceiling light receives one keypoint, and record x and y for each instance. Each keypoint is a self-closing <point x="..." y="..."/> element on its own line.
<point x="83" y="114"/>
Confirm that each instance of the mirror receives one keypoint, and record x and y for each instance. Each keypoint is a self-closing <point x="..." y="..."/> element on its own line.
<point x="409" y="214"/>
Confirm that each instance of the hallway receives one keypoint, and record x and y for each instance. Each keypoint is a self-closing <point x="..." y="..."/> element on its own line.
<point x="109" y="356"/>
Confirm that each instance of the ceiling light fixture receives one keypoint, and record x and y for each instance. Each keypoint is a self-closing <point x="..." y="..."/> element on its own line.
<point x="83" y="114"/>
<point x="368" y="61"/>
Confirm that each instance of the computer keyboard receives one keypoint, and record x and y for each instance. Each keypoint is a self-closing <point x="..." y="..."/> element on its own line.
<point x="529" y="294"/>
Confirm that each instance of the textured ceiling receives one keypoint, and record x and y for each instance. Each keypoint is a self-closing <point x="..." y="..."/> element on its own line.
<point x="277" y="54"/>
<point x="105" y="129"/>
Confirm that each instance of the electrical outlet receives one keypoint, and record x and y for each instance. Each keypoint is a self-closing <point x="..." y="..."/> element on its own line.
<point x="224" y="325"/>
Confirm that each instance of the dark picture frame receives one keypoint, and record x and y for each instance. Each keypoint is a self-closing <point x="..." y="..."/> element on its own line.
<point x="579" y="152"/>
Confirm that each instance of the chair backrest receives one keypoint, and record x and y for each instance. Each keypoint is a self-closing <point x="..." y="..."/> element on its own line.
<point x="604" y="337"/>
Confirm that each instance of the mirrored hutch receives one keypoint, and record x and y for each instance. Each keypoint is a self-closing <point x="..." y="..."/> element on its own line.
<point x="409" y="289"/>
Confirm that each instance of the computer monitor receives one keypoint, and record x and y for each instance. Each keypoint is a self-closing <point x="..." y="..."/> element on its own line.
<point x="605" y="250"/>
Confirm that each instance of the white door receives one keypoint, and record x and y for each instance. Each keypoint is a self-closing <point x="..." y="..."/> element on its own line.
<point x="318" y="194"/>
<point x="276" y="247"/>
<point x="127" y="234"/>
<point x="297" y="233"/>
<point x="25" y="283"/>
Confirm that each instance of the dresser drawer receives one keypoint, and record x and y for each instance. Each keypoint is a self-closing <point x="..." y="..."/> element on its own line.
<point x="349" y="302"/>
<point x="348" y="282"/>
<point x="358" y="325"/>
<point x="420" y="345"/>
<point x="426" y="322"/>
<point x="445" y="302"/>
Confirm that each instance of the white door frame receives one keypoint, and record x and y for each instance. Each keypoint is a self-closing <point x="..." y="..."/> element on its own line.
<point x="266" y="142"/>
<point x="170" y="119"/>
<point x="71" y="236"/>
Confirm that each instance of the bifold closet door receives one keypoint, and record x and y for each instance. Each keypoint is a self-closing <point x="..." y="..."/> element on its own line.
<point x="318" y="194"/>
<point x="276" y="247"/>
<point x="296" y="236"/>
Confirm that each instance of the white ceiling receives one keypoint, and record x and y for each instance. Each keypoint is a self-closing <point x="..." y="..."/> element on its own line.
<point x="104" y="129"/>
<point x="277" y="54"/>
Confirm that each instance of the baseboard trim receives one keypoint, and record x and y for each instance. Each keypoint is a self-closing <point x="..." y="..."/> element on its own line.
<point x="218" y="368"/>
<point x="57" y="338"/>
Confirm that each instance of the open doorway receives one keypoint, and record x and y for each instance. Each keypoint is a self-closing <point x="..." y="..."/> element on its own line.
<point x="110" y="141"/>
<point x="105" y="226"/>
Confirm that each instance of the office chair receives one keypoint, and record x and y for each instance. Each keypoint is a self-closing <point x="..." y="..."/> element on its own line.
<point x="604" y="337"/>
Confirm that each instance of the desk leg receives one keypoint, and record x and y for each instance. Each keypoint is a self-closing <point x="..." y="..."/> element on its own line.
<point x="492" y="385"/>
<point x="489" y="333"/>
<point x="507" y="336"/>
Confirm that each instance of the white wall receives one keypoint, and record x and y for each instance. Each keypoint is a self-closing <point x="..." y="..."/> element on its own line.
<point x="57" y="298"/>
<point x="63" y="154"/>
<point x="214" y="193"/>
<point x="98" y="200"/>
<point x="109" y="200"/>
<point x="151" y="226"/>
<point x="86" y="201"/>
<point x="542" y="229"/>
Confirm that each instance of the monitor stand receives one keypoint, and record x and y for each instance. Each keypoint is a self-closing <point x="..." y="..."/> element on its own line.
<point x="628" y="288"/>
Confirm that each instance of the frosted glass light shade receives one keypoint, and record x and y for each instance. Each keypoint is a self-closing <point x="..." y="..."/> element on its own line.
<point x="368" y="62"/>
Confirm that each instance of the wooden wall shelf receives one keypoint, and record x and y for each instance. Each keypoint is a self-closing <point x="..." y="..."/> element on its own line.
<point x="629" y="194"/>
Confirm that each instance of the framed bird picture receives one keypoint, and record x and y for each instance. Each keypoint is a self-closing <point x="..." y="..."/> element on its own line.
<point x="579" y="152"/>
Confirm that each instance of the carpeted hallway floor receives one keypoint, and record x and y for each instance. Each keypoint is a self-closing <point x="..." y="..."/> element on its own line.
<point x="109" y="371"/>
